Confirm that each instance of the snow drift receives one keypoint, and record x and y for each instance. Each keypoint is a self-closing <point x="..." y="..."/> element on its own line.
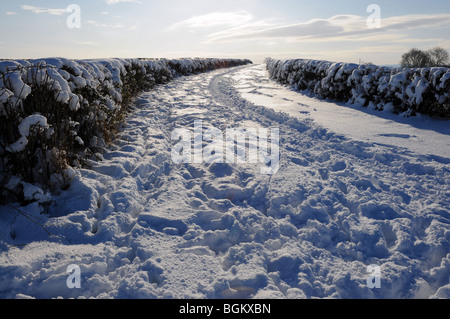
<point x="56" y="112"/>
<point x="408" y="91"/>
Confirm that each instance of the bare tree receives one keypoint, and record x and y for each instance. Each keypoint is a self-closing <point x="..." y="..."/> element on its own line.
<point x="439" y="56"/>
<point x="416" y="58"/>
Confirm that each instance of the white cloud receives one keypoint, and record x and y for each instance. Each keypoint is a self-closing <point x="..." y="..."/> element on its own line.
<point x="118" y="26"/>
<point x="414" y="21"/>
<point x="10" y="13"/>
<point x="314" y="28"/>
<point x="39" y="10"/>
<point x="339" y="27"/>
<point x="112" y="2"/>
<point x="229" y="19"/>
<point x="105" y="25"/>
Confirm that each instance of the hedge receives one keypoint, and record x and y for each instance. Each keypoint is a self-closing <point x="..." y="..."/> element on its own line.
<point x="402" y="90"/>
<point x="55" y="113"/>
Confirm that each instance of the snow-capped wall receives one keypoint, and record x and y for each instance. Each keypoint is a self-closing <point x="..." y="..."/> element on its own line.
<point x="55" y="113"/>
<point x="408" y="91"/>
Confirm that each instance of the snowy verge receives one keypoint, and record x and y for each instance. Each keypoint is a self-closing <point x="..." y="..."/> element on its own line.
<point x="56" y="112"/>
<point x="407" y="91"/>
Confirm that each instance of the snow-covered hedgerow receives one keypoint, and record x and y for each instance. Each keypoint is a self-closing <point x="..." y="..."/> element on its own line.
<point x="55" y="113"/>
<point x="409" y="91"/>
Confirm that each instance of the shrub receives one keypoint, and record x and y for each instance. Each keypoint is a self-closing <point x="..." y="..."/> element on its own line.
<point x="404" y="90"/>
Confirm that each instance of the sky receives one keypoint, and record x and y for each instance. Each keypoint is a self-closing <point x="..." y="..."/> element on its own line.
<point x="341" y="31"/>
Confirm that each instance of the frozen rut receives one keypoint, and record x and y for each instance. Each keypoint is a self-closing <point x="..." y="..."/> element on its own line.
<point x="141" y="226"/>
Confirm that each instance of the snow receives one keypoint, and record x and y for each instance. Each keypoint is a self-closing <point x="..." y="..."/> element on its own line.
<point x="19" y="145"/>
<point x="74" y="103"/>
<point x="5" y="94"/>
<point x="345" y="197"/>
<point x="416" y="90"/>
<point x="32" y="120"/>
<point x="79" y="140"/>
<point x="34" y="193"/>
<point x="79" y="82"/>
<point x="20" y="89"/>
<point x="24" y="130"/>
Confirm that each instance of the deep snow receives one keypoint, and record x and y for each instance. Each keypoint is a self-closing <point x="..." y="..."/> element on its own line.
<point x="344" y="198"/>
